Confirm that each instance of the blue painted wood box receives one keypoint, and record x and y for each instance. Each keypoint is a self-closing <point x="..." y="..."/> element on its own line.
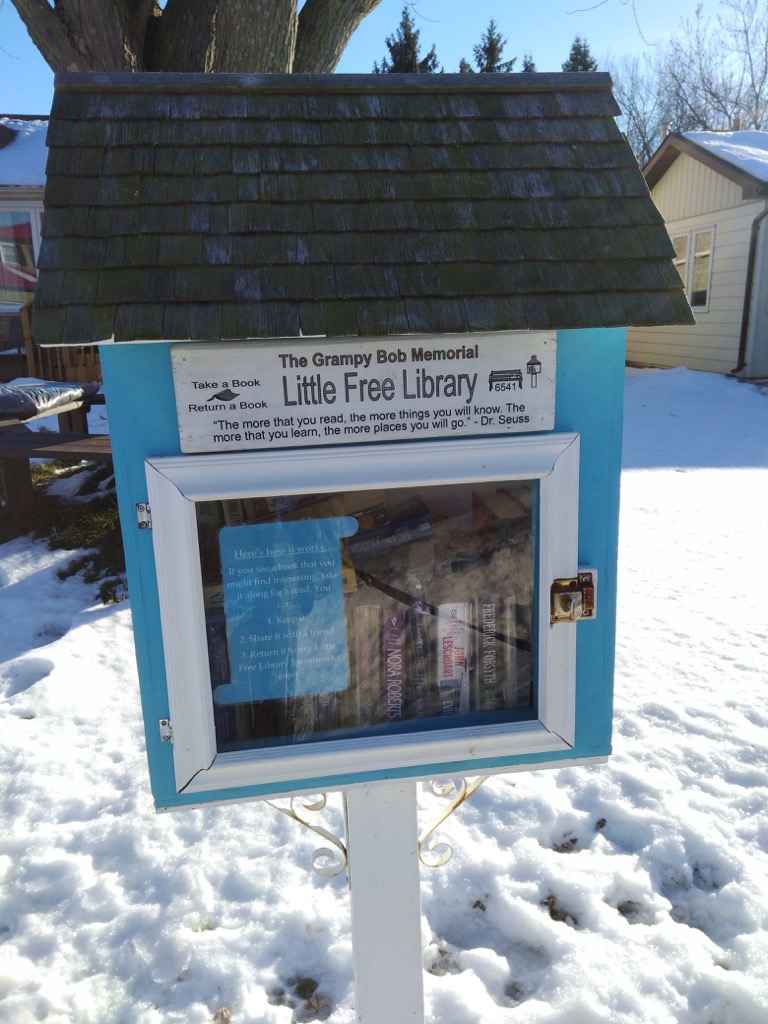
<point x="362" y="341"/>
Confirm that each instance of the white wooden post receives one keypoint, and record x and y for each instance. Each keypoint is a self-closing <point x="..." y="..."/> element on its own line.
<point x="382" y="835"/>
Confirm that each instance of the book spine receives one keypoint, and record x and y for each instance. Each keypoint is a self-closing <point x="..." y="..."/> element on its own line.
<point x="368" y="663"/>
<point x="218" y="654"/>
<point x="394" y="663"/>
<point x="326" y="711"/>
<point x="453" y="627"/>
<point x="234" y="513"/>
<point x="520" y="659"/>
<point x="255" y="509"/>
<point x="392" y="536"/>
<point x="218" y="661"/>
<point x="210" y="519"/>
<point x="418" y="677"/>
<point x="495" y="656"/>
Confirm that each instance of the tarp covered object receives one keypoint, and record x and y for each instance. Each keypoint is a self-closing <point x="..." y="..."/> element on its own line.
<point x="26" y="401"/>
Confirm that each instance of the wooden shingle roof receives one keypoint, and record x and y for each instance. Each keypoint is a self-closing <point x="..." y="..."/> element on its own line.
<point x="212" y="207"/>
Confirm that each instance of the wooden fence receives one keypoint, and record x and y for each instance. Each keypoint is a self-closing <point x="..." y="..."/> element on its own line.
<point x="74" y="364"/>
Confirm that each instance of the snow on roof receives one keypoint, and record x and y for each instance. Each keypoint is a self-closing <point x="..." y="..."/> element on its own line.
<point x="23" y="157"/>
<point x="747" y="150"/>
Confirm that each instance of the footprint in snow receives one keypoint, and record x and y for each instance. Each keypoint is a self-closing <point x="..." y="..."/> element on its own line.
<point x="25" y="673"/>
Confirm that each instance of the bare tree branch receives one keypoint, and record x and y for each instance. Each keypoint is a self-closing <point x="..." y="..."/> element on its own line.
<point x="48" y="34"/>
<point x="192" y="35"/>
<point x="713" y="76"/>
<point x="325" y="27"/>
<point x="88" y="35"/>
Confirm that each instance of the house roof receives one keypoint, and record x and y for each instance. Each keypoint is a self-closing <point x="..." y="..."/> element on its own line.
<point x="211" y="207"/>
<point x="22" y="151"/>
<point x="741" y="157"/>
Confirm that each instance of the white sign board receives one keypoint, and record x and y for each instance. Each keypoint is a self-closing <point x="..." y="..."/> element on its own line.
<point x="252" y="395"/>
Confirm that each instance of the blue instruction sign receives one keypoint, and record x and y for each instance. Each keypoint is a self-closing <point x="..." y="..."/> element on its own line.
<point x="284" y="609"/>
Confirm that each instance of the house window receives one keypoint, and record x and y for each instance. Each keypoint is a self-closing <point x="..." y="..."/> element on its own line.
<point x="693" y="259"/>
<point x="19" y="243"/>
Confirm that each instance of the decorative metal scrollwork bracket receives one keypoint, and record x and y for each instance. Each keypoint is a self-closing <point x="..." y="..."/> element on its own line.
<point x="433" y="852"/>
<point x="436" y="852"/>
<point x="325" y="861"/>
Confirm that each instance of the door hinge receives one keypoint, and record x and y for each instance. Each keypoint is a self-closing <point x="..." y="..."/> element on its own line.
<point x="574" y="598"/>
<point x="166" y="732"/>
<point x="144" y="515"/>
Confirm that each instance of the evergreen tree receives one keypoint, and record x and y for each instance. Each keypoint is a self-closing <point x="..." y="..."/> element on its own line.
<point x="465" y="67"/>
<point x="488" y="51"/>
<point x="580" y="59"/>
<point x="528" y="64"/>
<point x="404" y="51"/>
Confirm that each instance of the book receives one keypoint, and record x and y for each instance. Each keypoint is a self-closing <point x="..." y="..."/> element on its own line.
<point x="520" y="658"/>
<point x="453" y="629"/>
<point x="418" y="689"/>
<point x="234" y="512"/>
<point x="393" y="659"/>
<point x="496" y="653"/>
<point x="218" y="662"/>
<point x="348" y="576"/>
<point x="492" y="505"/>
<point x="256" y="509"/>
<point x="368" y="651"/>
<point x="210" y="519"/>
<point x="372" y="516"/>
<point x="326" y="711"/>
<point x="409" y="521"/>
<point x="301" y="716"/>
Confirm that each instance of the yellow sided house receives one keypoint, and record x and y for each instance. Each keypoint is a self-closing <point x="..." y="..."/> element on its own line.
<point x="712" y="190"/>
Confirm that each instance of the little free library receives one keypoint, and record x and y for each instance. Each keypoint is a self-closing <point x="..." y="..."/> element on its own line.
<point x="362" y="340"/>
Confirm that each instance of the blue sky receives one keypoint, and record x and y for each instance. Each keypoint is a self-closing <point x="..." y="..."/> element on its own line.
<point x="544" y="29"/>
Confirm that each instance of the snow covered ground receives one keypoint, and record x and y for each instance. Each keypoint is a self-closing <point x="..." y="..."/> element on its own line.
<point x="631" y="892"/>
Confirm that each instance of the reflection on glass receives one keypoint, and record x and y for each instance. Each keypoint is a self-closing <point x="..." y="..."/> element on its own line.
<point x="680" y="260"/>
<point x="701" y="260"/>
<point x="17" y="258"/>
<point x="368" y="612"/>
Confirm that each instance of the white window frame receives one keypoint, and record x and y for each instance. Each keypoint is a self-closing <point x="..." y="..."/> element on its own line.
<point x="176" y="483"/>
<point x="3" y="253"/>
<point x="686" y="265"/>
<point x="35" y="211"/>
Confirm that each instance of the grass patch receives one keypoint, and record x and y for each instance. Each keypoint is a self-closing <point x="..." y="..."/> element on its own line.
<point x="88" y="522"/>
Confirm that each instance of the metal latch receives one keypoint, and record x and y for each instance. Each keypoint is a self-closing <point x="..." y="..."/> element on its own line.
<point x="166" y="732"/>
<point x="574" y="598"/>
<point x="144" y="515"/>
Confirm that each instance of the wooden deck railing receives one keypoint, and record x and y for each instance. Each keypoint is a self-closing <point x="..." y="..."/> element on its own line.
<point x="73" y="364"/>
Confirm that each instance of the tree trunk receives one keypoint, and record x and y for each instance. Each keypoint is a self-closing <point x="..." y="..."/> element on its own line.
<point x="88" y="35"/>
<point x="182" y="38"/>
<point x="263" y="40"/>
<point x="246" y="36"/>
<point x="235" y="36"/>
<point x="325" y="27"/>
